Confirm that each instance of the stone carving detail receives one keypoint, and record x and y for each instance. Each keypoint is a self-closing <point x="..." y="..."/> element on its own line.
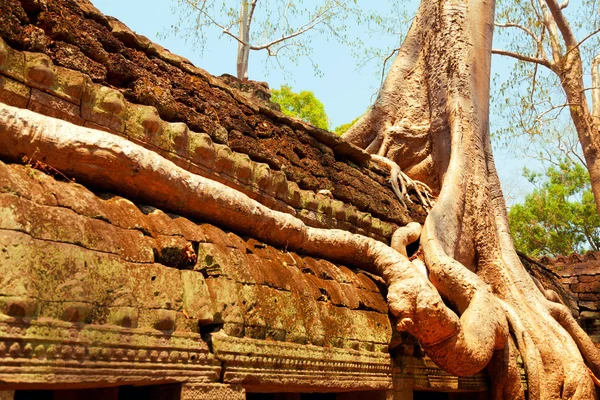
<point x="264" y="364"/>
<point x="212" y="392"/>
<point x="80" y="354"/>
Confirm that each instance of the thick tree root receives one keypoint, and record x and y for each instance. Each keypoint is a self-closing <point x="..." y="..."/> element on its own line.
<point x="460" y="345"/>
<point x="431" y="118"/>
<point x="402" y="183"/>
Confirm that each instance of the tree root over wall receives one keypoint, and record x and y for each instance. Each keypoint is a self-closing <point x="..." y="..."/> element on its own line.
<point x="431" y="118"/>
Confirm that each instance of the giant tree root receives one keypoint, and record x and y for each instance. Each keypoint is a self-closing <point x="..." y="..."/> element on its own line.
<point x="431" y="118"/>
<point x="462" y="345"/>
<point x="402" y="183"/>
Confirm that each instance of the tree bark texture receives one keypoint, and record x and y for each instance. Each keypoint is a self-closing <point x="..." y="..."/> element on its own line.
<point x="243" y="52"/>
<point x="587" y="123"/>
<point x="431" y="117"/>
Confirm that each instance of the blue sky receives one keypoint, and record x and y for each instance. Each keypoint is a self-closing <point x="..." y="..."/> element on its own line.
<point x="345" y="90"/>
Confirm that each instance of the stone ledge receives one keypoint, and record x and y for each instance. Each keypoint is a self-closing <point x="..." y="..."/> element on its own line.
<point x="52" y="353"/>
<point x="288" y="367"/>
<point x="422" y="374"/>
<point x="31" y="80"/>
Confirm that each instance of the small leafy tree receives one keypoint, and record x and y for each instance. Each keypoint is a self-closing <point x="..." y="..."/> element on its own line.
<point x="554" y="45"/>
<point x="272" y="26"/>
<point x="559" y="216"/>
<point x="303" y="105"/>
<point x="340" y="130"/>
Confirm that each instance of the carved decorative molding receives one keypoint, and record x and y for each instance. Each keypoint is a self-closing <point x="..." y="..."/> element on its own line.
<point x="54" y="353"/>
<point x="289" y="367"/>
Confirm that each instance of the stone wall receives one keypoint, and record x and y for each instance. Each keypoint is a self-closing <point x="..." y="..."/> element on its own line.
<point x="103" y="75"/>
<point x="97" y="289"/>
<point x="98" y="268"/>
<point x="580" y="275"/>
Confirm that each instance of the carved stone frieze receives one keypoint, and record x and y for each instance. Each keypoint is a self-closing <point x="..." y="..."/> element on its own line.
<point x="288" y="367"/>
<point x="53" y="353"/>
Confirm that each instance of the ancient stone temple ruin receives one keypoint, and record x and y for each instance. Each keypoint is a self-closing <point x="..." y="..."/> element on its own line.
<point x="112" y="288"/>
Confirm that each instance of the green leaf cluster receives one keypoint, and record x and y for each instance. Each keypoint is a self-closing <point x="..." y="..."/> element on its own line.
<point x="559" y="216"/>
<point x="303" y="105"/>
<point x="340" y="130"/>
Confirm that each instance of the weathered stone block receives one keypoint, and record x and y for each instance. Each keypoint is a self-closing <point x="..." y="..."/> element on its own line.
<point x="16" y="179"/>
<point x="126" y="317"/>
<point x="262" y="177"/>
<point x="243" y="168"/>
<point x="55" y="107"/>
<point x="159" y="319"/>
<point x="224" y="161"/>
<point x="280" y="185"/>
<point x="104" y="106"/>
<point x="217" y="260"/>
<point x="17" y="306"/>
<point x="283" y="317"/>
<point x="159" y="222"/>
<point x="201" y="149"/>
<point x="127" y="36"/>
<point x="590" y="305"/>
<point x="225" y="295"/>
<point x="589" y="278"/>
<point x="589" y="296"/>
<point x="196" y="297"/>
<point x="157" y="286"/>
<point x="143" y="123"/>
<point x="12" y="62"/>
<point x="13" y="92"/>
<point x="591" y="287"/>
<point x="41" y="74"/>
<point x="63" y="225"/>
<point x="165" y="55"/>
<point x="177" y="135"/>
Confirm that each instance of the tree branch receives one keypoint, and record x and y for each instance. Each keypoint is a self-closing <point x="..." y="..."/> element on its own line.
<point x="562" y="23"/>
<point x="550" y="26"/>
<point x="583" y="40"/>
<point x="306" y="27"/>
<point x="596" y="87"/>
<point x="213" y="21"/>
<point x="251" y="14"/>
<point x="523" y="28"/>
<point x="523" y="57"/>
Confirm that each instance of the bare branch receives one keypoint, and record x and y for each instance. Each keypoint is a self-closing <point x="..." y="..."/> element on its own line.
<point x="523" y="57"/>
<point x="523" y="28"/>
<point x="550" y="26"/>
<point x="214" y="22"/>
<point x="251" y="14"/>
<point x="562" y="23"/>
<point x="564" y="4"/>
<point x="583" y="40"/>
<point x="306" y="27"/>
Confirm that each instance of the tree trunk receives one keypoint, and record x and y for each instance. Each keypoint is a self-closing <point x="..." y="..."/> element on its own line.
<point x="244" y="42"/>
<point x="596" y="89"/>
<point x="431" y="117"/>
<point x="587" y="124"/>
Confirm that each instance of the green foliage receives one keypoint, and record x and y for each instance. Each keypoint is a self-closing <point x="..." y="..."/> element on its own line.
<point x="559" y="216"/>
<point x="303" y="105"/>
<point x="340" y="130"/>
